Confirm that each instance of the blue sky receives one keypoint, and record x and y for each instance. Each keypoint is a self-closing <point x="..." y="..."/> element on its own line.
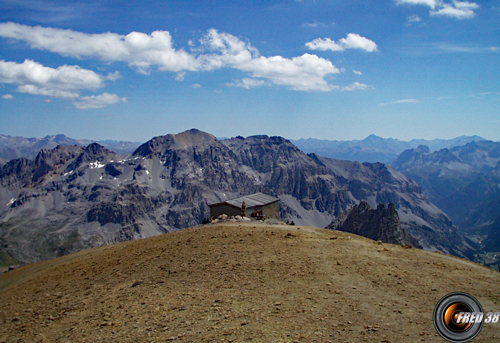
<point x="324" y="69"/>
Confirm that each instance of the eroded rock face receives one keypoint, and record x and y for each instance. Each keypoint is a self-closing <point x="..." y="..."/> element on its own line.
<point x="380" y="224"/>
<point x="80" y="197"/>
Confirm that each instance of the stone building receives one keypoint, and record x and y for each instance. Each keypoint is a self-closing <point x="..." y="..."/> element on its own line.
<point x="267" y="205"/>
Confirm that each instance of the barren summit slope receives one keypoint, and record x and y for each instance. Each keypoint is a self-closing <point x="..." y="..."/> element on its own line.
<point x="237" y="283"/>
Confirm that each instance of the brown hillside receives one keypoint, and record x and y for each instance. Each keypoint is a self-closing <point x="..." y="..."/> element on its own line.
<point x="240" y="282"/>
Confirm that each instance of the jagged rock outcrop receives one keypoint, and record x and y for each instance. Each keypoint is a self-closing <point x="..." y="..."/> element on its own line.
<point x="380" y="224"/>
<point x="76" y="197"/>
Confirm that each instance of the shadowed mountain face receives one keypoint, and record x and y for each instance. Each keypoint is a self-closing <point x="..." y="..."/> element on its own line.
<point x="71" y="198"/>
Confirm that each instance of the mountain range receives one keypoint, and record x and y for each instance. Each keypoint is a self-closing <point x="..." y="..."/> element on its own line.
<point x="463" y="181"/>
<point x="374" y="148"/>
<point x="73" y="197"/>
<point x="18" y="147"/>
<point x="371" y="149"/>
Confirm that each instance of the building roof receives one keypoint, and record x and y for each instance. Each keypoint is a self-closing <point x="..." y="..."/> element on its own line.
<point x="257" y="199"/>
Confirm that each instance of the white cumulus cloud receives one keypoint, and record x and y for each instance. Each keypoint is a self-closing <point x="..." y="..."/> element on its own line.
<point x="8" y="97"/>
<point x="458" y="9"/>
<point x="324" y="44"/>
<point x="225" y="50"/>
<point x="98" y="101"/>
<point x="63" y="82"/>
<point x="142" y="51"/>
<point x="352" y="41"/>
<point x="47" y="91"/>
<point x="138" y="49"/>
<point x="455" y="9"/>
<point x="302" y="73"/>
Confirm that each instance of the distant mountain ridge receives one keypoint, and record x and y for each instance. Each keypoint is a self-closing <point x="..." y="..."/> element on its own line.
<point x="464" y="182"/>
<point x="375" y="149"/>
<point x="18" y="147"/>
<point x="72" y="197"/>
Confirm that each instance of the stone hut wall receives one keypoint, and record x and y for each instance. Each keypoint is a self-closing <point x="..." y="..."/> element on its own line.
<point x="230" y="210"/>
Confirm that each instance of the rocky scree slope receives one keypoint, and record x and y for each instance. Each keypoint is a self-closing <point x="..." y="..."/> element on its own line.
<point x="72" y="198"/>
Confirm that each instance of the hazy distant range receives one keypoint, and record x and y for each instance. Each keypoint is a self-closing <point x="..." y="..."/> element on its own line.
<point x="18" y="147"/>
<point x="374" y="148"/>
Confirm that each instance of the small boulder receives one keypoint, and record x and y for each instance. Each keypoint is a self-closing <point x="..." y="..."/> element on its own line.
<point x="137" y="283"/>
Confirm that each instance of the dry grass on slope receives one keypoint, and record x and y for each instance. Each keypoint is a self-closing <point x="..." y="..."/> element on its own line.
<point x="238" y="283"/>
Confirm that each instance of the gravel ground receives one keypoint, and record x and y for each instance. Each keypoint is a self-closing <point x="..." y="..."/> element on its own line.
<point x="240" y="282"/>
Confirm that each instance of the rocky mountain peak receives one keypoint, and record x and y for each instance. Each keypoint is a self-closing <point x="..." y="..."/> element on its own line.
<point x="363" y="207"/>
<point x="155" y="146"/>
<point x="194" y="137"/>
<point x="94" y="152"/>
<point x="444" y="156"/>
<point x="266" y="144"/>
<point x="95" y="149"/>
<point x="190" y="138"/>
<point x="58" y="155"/>
<point x="380" y="224"/>
<point x="59" y="138"/>
<point x="423" y="149"/>
<point x="422" y="156"/>
<point x="410" y="157"/>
